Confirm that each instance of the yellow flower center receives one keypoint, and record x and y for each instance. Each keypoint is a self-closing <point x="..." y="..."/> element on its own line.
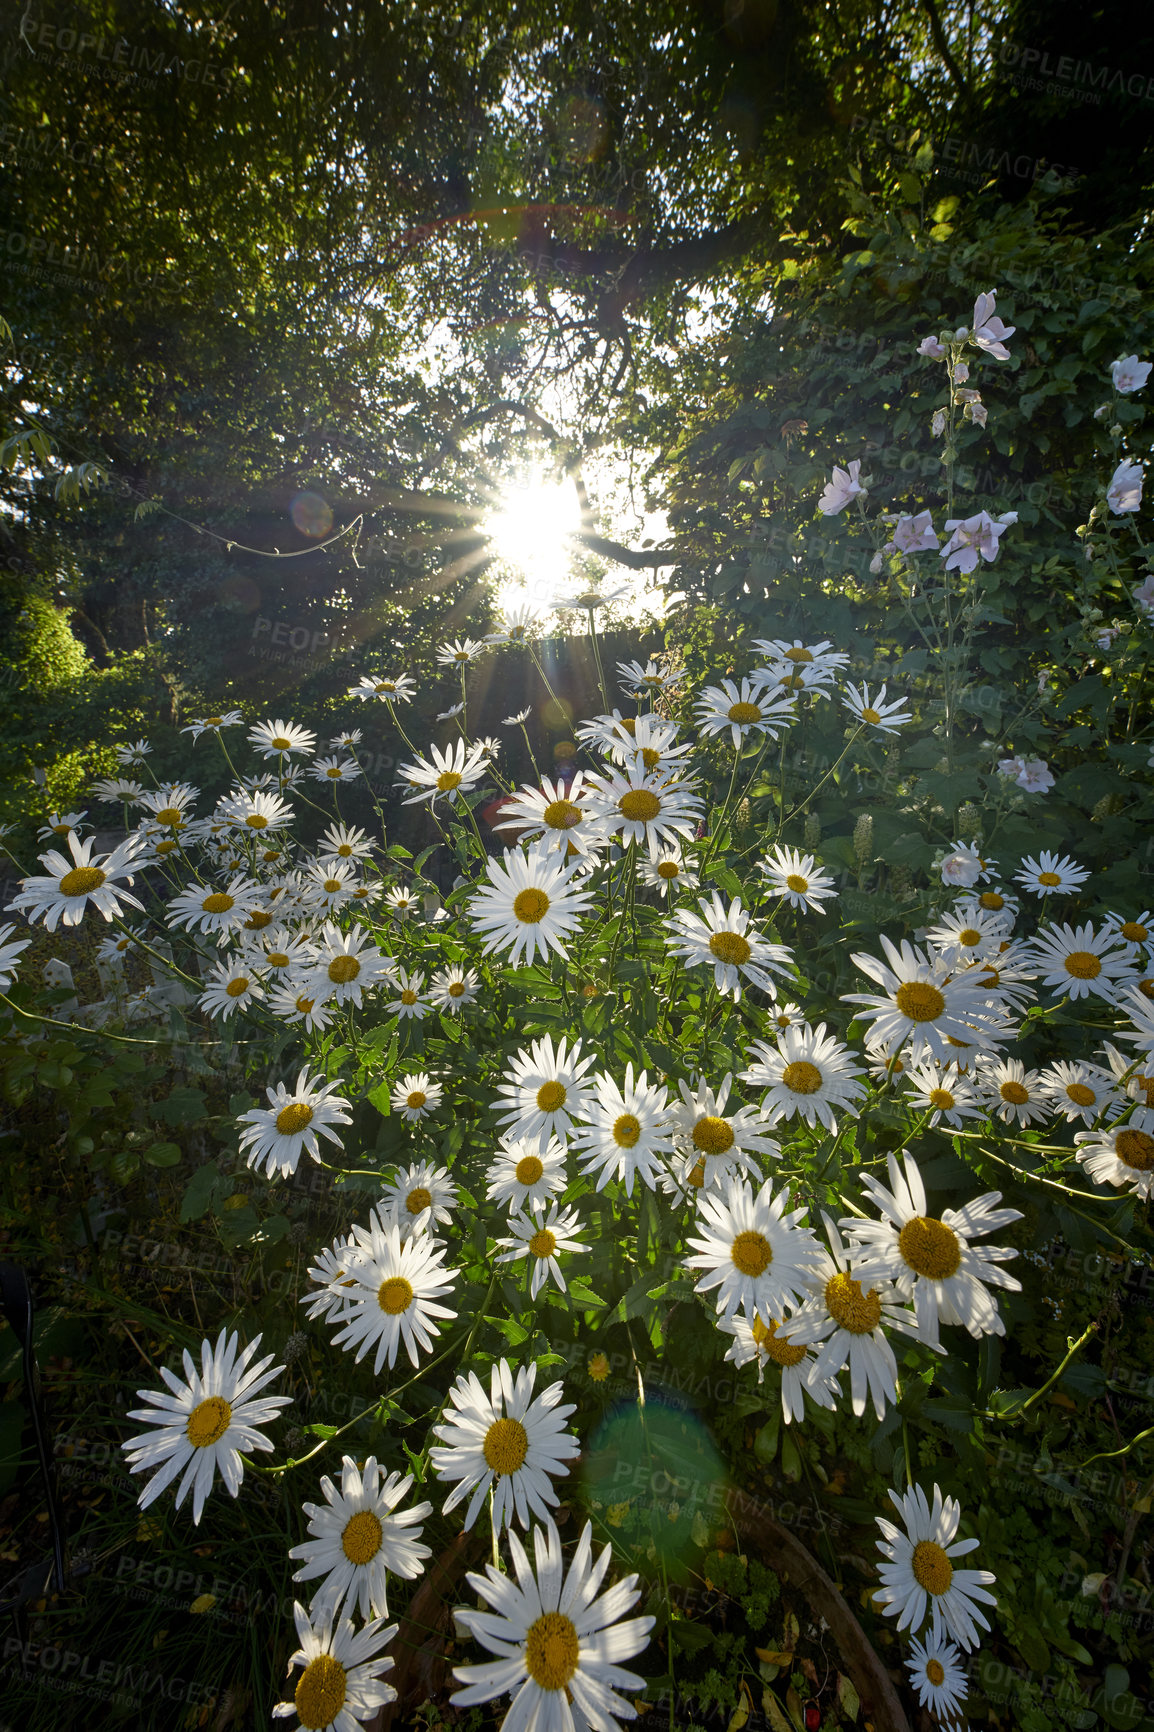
<point x="416" y="1099"/>
<point x="447" y="781"/>
<point x="551" y="1651"/>
<point x="361" y="1540"/>
<point x="930" y="1248"/>
<point x="170" y="815"/>
<point x="332" y="885"/>
<point x="598" y="1367"/>
<point x="991" y="900"/>
<point x="278" y="959"/>
<point x="208" y="1422"/>
<point x="304" y="1005"/>
<point x="1134" y="931"/>
<point x="1080" y="1094"/>
<point x="869" y="715"/>
<point x="550" y="1096"/>
<point x="932" y="1569"/>
<point x="626" y="1131"/>
<point x="543" y="1243"/>
<point x="418" y="1200"/>
<point x="218" y="903"/>
<point x="294" y="1118"/>
<point x="530" y="906"/>
<point x="257" y="920"/>
<point x="777" y="1347"/>
<point x="281" y="743"/>
<point x="650" y="758"/>
<point x="639" y="806"/>
<point x="919" y="1001"/>
<point x="744" y="713"/>
<point x="257" y="821"/>
<point x="696" y="1177"/>
<point x="936" y="1673"/>
<point x="797" y="884"/>
<point x="394" y="1295"/>
<point x="342" y="969"/>
<point x="408" y="996"/>
<point x="529" y="1170"/>
<point x="334" y="772"/>
<point x="81" y="881"/>
<point x="344" y="851"/>
<point x="321" y="1693"/>
<point x="385" y="686"/>
<point x="456" y="989"/>
<point x="506" y="1445"/>
<point x="167" y="846"/>
<point x="668" y="869"/>
<point x="751" y="1254"/>
<point x="1049" y="879"/>
<point x="1015" y="1093"/>
<point x="238" y="987"/>
<point x="1146" y="988"/>
<point x="850" y="1308"/>
<point x="730" y="947"/>
<point x="797" y="654"/>
<point x="712" y="1135"/>
<point x="1135" y="1149"/>
<point x="562" y="814"/>
<point x="1083" y="965"/>
<point x="802" y="1077"/>
<point x="969" y="936"/>
<point x="942" y="1099"/>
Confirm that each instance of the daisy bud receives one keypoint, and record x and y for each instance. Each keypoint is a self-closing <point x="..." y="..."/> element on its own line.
<point x="863" y="840"/>
<point x="812" y="832"/>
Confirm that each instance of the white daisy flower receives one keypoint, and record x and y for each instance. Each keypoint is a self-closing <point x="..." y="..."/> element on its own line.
<point x="415" y="1096"/>
<point x="342" y="842"/>
<point x="761" y="1341"/>
<point x="545" y="1091"/>
<point x="959" y="939"/>
<point x="279" y="953"/>
<point x="346" y="740"/>
<point x="409" y="1004"/>
<point x="347" y="965"/>
<point x="995" y="899"/>
<point x="628" y="1133"/>
<point x="526" y="1174"/>
<point x="70" y="885"/>
<point x="716" y="1143"/>
<point x="541" y="1236"/>
<point x="555" y="815"/>
<point x="278" y="739"/>
<point x="1137" y="1002"/>
<point x="518" y="720"/>
<point x="933" y="1260"/>
<point x="818" y="663"/>
<point x="648" y="681"/>
<point x="668" y="873"/>
<point x="292" y="1003"/>
<point x="289" y="1125"/>
<point x="1012" y="1092"/>
<point x="851" y="1327"/>
<point x="214" y="912"/>
<point x="645" y="808"/>
<point x="506" y="1442"/>
<point x="922" y="1004"/>
<point x="213" y="724"/>
<point x="393" y="1298"/>
<point x="453" y="773"/>
<point x="1080" y="1090"/>
<point x="919" y="1573"/>
<point x="595" y="596"/>
<point x="168" y="805"/>
<point x="1121" y="1154"/>
<point x="1077" y="960"/>
<point x="755" y="1253"/>
<point x="135" y="753"/>
<point x="1050" y="874"/>
<point x="558" y="1642"/>
<point x="528" y="906"/>
<point x="231" y="986"/>
<point x="938" y="1677"/>
<point x="886" y="718"/>
<point x="1005" y="976"/>
<point x="785" y="1014"/>
<point x="387" y="689"/>
<point x="645" y="743"/>
<point x="206" y="1423"/>
<point x="1130" y="1074"/>
<point x="807" y="1072"/>
<point x="460" y="652"/>
<point x="798" y="878"/>
<point x="11" y="950"/>
<point x="755" y="708"/>
<point x="1136" y="933"/>
<point x="402" y="901"/>
<point x="419" y="1198"/>
<point x="517" y="625"/>
<point x="943" y="1092"/>
<point x="117" y="790"/>
<point x="724" y="940"/>
<point x="331" y="1274"/>
<point x="359" y="1535"/>
<point x="326" y="887"/>
<point x="335" y="769"/>
<point x="341" y="1685"/>
<point x="454" y="987"/>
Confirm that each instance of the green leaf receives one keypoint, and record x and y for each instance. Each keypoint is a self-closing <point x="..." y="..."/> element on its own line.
<point x="163" y="1155"/>
<point x="198" y="1193"/>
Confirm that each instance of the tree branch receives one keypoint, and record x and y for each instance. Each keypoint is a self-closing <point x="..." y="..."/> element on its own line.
<point x="943" y="47"/>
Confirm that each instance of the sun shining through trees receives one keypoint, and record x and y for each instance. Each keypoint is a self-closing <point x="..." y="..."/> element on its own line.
<point x="532" y="529"/>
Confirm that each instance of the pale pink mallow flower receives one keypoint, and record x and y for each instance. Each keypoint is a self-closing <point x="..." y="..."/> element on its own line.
<point x="1143" y="596"/>
<point x="1125" y="490"/>
<point x="914" y="534"/>
<point x="1129" y="374"/>
<point x="989" y="333"/>
<point x="844" y="487"/>
<point x="932" y="349"/>
<point x="969" y="537"/>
